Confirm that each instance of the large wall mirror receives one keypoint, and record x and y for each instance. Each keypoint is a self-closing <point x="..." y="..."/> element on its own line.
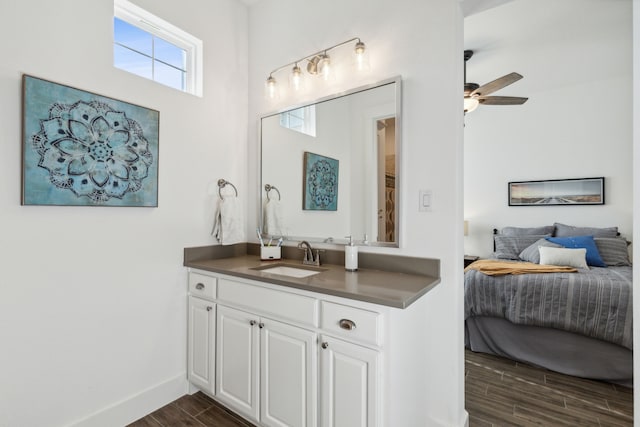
<point x="331" y="168"/>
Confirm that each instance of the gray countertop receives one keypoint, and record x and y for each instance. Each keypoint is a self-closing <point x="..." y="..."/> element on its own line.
<point x="390" y="288"/>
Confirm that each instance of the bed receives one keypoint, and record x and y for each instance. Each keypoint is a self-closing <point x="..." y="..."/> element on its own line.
<point x="577" y="323"/>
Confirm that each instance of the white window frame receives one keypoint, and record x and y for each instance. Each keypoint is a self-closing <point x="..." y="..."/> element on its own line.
<point x="307" y="116"/>
<point x="138" y="17"/>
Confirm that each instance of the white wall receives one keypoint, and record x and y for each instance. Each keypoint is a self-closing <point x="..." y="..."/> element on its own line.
<point x="422" y="41"/>
<point x="93" y="300"/>
<point x="575" y="56"/>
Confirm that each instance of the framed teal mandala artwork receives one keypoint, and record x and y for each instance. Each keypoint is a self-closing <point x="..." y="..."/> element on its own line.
<point x="320" y="186"/>
<point x="84" y="149"/>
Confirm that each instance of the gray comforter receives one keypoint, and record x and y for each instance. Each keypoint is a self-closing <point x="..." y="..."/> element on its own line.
<point x="596" y="302"/>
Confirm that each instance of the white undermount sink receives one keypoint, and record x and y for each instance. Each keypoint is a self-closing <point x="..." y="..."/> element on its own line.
<point x="290" y="270"/>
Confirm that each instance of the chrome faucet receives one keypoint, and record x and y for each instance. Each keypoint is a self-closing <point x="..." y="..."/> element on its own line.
<point x="308" y="254"/>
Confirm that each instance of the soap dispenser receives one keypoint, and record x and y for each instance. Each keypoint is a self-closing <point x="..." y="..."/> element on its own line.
<point x="350" y="256"/>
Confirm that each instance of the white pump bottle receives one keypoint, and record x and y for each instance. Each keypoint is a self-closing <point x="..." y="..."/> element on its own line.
<point x="350" y="256"/>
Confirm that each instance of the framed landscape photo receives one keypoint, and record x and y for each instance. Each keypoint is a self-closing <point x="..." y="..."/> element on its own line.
<point x="566" y="192"/>
<point x="84" y="149"/>
<point x="320" y="183"/>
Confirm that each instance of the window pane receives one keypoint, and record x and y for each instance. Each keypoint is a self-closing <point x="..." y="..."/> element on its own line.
<point x="169" y="76"/>
<point x="301" y="120"/>
<point x="131" y="61"/>
<point x="132" y="37"/>
<point x="169" y="53"/>
<point x="296" y="123"/>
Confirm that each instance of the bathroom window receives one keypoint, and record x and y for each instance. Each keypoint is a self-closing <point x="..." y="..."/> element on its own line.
<point x="150" y="47"/>
<point x="301" y="120"/>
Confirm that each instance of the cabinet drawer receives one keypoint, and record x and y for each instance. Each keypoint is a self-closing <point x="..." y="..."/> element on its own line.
<point x="202" y="286"/>
<point x="286" y="305"/>
<point x="350" y="322"/>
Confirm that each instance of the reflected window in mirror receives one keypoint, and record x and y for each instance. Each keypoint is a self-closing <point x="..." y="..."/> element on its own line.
<point x="301" y="120"/>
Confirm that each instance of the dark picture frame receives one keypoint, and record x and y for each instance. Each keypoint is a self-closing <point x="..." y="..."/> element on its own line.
<point x="557" y="192"/>
<point x="84" y="149"/>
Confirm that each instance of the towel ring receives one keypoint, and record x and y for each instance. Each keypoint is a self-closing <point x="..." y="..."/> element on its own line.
<point x="268" y="187"/>
<point x="222" y="183"/>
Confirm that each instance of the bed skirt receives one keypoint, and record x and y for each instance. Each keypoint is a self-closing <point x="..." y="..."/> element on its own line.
<point x="553" y="349"/>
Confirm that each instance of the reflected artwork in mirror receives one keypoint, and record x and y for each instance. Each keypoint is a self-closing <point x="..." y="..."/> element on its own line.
<point x="335" y="163"/>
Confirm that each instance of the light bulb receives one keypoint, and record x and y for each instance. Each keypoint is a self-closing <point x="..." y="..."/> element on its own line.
<point x="295" y="79"/>
<point x="361" y="57"/>
<point x="470" y="104"/>
<point x="324" y="66"/>
<point x="271" y="88"/>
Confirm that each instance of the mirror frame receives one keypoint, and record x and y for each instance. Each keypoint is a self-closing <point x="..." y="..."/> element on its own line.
<point x="330" y="241"/>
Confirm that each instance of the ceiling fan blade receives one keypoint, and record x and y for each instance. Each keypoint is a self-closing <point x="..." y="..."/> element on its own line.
<point x="497" y="84"/>
<point x="502" y="100"/>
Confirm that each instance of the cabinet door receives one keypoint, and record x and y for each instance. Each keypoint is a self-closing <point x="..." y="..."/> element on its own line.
<point x="201" y="343"/>
<point x="288" y="379"/>
<point x="237" y="348"/>
<point x="348" y="384"/>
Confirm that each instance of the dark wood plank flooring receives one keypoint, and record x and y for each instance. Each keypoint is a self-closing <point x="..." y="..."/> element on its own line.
<point x="196" y="410"/>
<point x="498" y="392"/>
<point x="501" y="392"/>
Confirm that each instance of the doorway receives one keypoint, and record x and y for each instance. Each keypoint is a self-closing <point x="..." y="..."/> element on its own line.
<point x="386" y="186"/>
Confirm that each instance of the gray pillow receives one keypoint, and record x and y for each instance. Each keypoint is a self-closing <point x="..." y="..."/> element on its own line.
<point x="563" y="230"/>
<point x="613" y="251"/>
<point x="527" y="231"/>
<point x="532" y="254"/>
<point x="509" y="247"/>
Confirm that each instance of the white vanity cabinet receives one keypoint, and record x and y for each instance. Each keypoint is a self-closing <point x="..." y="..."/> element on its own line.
<point x="348" y="369"/>
<point x="266" y="369"/>
<point x="286" y="357"/>
<point x="237" y="357"/>
<point x="348" y="384"/>
<point x="201" y="332"/>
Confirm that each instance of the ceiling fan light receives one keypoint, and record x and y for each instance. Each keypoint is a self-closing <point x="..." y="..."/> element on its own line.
<point x="470" y="104"/>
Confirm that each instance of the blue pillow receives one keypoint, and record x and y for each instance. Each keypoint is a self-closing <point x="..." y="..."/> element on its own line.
<point x="587" y="242"/>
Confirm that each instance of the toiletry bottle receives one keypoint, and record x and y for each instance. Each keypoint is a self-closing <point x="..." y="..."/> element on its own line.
<point x="350" y="256"/>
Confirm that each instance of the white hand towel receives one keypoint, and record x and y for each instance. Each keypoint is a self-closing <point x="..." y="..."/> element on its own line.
<point x="228" y="223"/>
<point x="273" y="218"/>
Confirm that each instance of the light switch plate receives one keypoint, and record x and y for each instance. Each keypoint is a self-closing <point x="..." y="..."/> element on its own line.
<point x="425" y="201"/>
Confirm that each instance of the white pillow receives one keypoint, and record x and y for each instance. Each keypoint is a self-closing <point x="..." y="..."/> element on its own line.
<point x="563" y="256"/>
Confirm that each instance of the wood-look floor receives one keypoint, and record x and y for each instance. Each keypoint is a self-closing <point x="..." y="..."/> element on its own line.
<point x="499" y="392"/>
<point x="196" y="410"/>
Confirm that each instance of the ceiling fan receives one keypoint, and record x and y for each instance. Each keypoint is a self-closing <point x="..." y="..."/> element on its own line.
<point x="475" y="94"/>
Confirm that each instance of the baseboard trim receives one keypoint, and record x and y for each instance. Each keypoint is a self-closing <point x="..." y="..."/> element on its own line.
<point x="466" y="419"/>
<point x="137" y="406"/>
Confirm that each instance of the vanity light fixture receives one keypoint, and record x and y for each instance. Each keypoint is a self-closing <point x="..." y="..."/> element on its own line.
<point x="296" y="78"/>
<point x="318" y="64"/>
<point x="270" y="87"/>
